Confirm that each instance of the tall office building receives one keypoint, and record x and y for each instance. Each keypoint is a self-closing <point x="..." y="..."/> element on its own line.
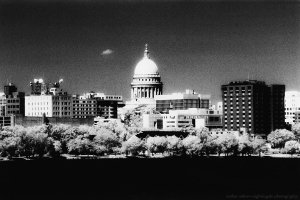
<point x="253" y="105"/>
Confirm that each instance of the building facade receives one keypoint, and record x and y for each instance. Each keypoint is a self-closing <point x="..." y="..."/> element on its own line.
<point x="36" y="105"/>
<point x="253" y="105"/>
<point x="182" y="101"/>
<point x="296" y="117"/>
<point x="107" y="105"/>
<point x="12" y="102"/>
<point x="84" y="107"/>
<point x="62" y="105"/>
<point x="196" y="117"/>
<point x="292" y="106"/>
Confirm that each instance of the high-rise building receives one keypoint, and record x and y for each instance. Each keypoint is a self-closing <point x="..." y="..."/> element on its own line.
<point x="12" y="102"/>
<point x="253" y="105"/>
<point x="277" y="94"/>
<point x="292" y="106"/>
<point x="181" y="101"/>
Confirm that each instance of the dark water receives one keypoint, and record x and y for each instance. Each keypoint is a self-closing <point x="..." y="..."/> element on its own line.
<point x="206" y="178"/>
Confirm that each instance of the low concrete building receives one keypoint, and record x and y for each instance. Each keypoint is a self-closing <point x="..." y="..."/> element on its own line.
<point x="101" y="120"/>
<point x="195" y="117"/>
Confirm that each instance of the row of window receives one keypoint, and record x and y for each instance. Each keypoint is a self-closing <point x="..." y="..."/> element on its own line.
<point x="38" y="103"/>
<point x="244" y="117"/>
<point x="112" y="97"/>
<point x="13" y="112"/>
<point x="84" y="105"/>
<point x="237" y="111"/>
<point x="62" y="98"/>
<point x="292" y="108"/>
<point x="61" y="103"/>
<point x="84" y="102"/>
<point x="62" y="108"/>
<point x="84" y="109"/>
<point x="242" y="94"/>
<point x="84" y="113"/>
<point x="39" y="108"/>
<point x="146" y="79"/>
<point x="13" y="106"/>
<point x="13" y="101"/>
<point x="237" y="103"/>
<point x="230" y="128"/>
<point x="237" y="98"/>
<point x="36" y="113"/>
<point x="63" y="113"/>
<point x="237" y="121"/>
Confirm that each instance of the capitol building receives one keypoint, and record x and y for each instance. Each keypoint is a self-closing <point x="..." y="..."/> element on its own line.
<point x="146" y="83"/>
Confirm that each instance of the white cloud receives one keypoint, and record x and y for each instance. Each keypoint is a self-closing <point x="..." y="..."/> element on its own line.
<point x="107" y="52"/>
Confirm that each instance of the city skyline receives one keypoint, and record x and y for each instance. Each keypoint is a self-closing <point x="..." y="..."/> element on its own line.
<point x="196" y="45"/>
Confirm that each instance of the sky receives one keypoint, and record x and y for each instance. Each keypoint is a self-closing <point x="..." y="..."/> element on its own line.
<point x="95" y="45"/>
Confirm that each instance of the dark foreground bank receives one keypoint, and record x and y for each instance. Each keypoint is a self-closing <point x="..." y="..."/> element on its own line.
<point x="181" y="178"/>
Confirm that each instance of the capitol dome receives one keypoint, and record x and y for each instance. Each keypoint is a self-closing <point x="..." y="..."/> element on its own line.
<point x="146" y="82"/>
<point x="146" y="65"/>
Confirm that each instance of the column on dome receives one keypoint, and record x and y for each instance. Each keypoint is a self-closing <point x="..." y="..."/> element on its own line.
<point x="151" y="94"/>
<point x="135" y="92"/>
<point x="132" y="95"/>
<point x="140" y="95"/>
<point x="148" y="92"/>
<point x="154" y="91"/>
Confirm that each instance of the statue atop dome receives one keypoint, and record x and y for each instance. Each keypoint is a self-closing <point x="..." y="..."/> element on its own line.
<point x="146" y="66"/>
<point x="146" y="52"/>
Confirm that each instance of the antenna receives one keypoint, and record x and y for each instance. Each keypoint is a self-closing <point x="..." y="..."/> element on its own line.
<point x="248" y="77"/>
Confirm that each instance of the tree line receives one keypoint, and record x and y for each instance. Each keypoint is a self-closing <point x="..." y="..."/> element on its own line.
<point x="113" y="138"/>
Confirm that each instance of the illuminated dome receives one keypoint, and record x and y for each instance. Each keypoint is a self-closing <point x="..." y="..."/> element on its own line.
<point x="146" y="82"/>
<point x="146" y="65"/>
